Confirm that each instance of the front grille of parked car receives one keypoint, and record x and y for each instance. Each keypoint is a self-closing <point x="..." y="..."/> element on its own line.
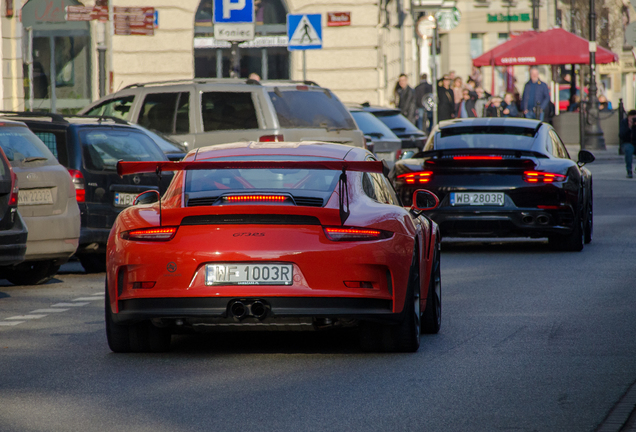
<point x="300" y="200"/>
<point x="260" y="219"/>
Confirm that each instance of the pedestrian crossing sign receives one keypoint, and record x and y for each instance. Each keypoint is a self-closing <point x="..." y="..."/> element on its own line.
<point x="304" y="31"/>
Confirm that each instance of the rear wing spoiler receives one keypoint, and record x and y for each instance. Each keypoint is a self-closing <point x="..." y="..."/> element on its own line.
<point x="127" y="168"/>
<point x="440" y="154"/>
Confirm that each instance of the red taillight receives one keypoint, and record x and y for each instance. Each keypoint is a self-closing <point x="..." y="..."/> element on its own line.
<point x="302" y="87"/>
<point x="477" y="157"/>
<point x="262" y="198"/>
<point x="549" y="207"/>
<point x="150" y="234"/>
<point x="78" y="182"/>
<point x="418" y="177"/>
<point x="542" y="177"/>
<point x="13" y="198"/>
<point x="355" y="234"/>
<point x="272" y="138"/>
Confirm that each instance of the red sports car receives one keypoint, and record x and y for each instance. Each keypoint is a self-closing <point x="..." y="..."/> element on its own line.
<point x="298" y="236"/>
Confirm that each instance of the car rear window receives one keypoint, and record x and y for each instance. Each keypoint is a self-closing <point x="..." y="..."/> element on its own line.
<point x="289" y="180"/>
<point x="168" y="113"/>
<point x="371" y="125"/>
<point x="19" y="143"/>
<point x="228" y="111"/>
<point x="310" y="109"/>
<point x="397" y="122"/>
<point x="117" y="107"/>
<point x="502" y="137"/>
<point x="104" y="147"/>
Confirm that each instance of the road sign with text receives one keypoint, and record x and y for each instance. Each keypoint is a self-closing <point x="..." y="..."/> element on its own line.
<point x="304" y="31"/>
<point x="234" y="20"/>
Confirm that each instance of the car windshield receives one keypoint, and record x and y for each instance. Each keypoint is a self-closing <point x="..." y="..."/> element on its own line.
<point x="104" y="147"/>
<point x="310" y="109"/>
<point x="500" y="137"/>
<point x="21" y="145"/>
<point x="371" y="125"/>
<point x="289" y="180"/>
<point x="397" y="122"/>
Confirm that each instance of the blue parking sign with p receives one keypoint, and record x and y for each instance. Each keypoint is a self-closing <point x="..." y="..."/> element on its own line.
<point x="233" y="11"/>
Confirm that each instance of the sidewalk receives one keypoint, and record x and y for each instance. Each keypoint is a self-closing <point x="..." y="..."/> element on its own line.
<point x="611" y="152"/>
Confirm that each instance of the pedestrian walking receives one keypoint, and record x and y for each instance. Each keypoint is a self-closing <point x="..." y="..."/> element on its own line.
<point x="482" y="102"/>
<point x="458" y="92"/>
<point x="445" y="100"/>
<point x="510" y="106"/>
<point x="423" y="88"/>
<point x="627" y="135"/>
<point x="405" y="98"/>
<point x="535" y="95"/>
<point x="467" y="105"/>
<point x="495" y="109"/>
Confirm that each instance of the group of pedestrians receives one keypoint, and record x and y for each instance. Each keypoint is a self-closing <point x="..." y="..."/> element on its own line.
<point x="458" y="100"/>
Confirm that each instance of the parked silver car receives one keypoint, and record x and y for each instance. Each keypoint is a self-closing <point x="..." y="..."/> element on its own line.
<point x="204" y="112"/>
<point x="46" y="202"/>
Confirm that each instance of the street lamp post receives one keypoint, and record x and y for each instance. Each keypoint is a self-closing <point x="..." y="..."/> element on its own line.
<point x="593" y="133"/>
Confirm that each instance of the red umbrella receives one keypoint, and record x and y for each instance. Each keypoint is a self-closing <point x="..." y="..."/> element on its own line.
<point x="552" y="47"/>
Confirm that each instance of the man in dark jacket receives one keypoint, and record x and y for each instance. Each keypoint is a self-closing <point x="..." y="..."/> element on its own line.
<point x="535" y="95"/>
<point x="405" y="98"/>
<point x="423" y="88"/>
<point x="628" y="139"/>
<point x="467" y="105"/>
<point x="445" y="100"/>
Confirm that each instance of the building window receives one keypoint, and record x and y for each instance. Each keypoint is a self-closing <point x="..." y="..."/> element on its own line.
<point x="476" y="44"/>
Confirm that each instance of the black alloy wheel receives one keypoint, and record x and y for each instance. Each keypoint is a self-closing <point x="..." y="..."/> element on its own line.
<point x="572" y="242"/>
<point x="117" y="335"/>
<point x="31" y="272"/>
<point x="432" y="315"/>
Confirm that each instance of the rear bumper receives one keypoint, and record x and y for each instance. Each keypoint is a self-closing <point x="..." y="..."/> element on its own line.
<point x="194" y="310"/>
<point x="53" y="236"/>
<point x="498" y="222"/>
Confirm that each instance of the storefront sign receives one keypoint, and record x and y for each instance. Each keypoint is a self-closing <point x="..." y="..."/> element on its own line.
<point x="338" y="19"/>
<point x="448" y="19"/>
<point x="258" y="42"/>
<point x="524" y="17"/>
<point x="139" y="21"/>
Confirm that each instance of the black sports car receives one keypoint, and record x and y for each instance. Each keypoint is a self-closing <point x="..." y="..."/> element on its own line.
<point x="502" y="177"/>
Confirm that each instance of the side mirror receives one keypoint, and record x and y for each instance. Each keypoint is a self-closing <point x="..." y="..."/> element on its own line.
<point x="424" y="200"/>
<point x="407" y="154"/>
<point x="148" y="197"/>
<point x="585" y="157"/>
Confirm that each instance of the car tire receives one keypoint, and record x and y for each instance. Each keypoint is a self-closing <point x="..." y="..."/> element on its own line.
<point x="31" y="272"/>
<point x="146" y="337"/>
<point x="118" y="335"/>
<point x="432" y="315"/>
<point x="406" y="335"/>
<point x="589" y="219"/>
<point x="93" y="263"/>
<point x="572" y="242"/>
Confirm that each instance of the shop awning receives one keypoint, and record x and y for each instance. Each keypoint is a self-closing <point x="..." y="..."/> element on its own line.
<point x="551" y="47"/>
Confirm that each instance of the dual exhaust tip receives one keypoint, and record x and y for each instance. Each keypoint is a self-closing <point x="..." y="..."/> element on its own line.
<point x="256" y="309"/>
<point x="541" y="219"/>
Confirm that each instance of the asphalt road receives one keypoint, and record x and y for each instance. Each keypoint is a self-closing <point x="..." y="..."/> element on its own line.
<point x="531" y="340"/>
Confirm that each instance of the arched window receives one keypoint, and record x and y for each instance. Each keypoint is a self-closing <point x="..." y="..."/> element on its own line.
<point x="267" y="55"/>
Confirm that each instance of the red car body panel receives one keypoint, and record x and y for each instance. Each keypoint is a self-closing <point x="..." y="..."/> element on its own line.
<point x="321" y="266"/>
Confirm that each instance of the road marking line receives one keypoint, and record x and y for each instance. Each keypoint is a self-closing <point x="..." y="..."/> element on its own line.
<point x="51" y="310"/>
<point x="99" y="294"/>
<point x="10" y="323"/>
<point x="22" y="317"/>
<point x="87" y="299"/>
<point x="69" y="304"/>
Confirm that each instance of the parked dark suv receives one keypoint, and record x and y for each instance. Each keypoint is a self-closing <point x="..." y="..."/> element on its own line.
<point x="13" y="231"/>
<point x="90" y="148"/>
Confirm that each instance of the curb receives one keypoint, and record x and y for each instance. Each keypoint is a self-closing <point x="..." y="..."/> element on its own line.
<point x="619" y="415"/>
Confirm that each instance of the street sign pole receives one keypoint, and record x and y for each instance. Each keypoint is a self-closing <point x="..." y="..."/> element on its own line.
<point x="304" y="65"/>
<point x="234" y="22"/>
